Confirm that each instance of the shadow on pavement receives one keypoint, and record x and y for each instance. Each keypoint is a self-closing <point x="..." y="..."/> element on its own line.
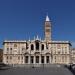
<point x="71" y="69"/>
<point x="4" y="66"/>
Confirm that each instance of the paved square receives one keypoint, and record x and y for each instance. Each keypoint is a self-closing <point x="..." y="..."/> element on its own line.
<point x="36" y="71"/>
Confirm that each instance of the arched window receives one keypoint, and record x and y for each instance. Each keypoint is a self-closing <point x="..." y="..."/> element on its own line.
<point x="37" y="45"/>
<point x="15" y="45"/>
<point x="42" y="47"/>
<point x="32" y="47"/>
<point x="27" y="46"/>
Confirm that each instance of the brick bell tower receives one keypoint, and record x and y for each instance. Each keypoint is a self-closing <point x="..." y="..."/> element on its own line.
<point x="47" y="29"/>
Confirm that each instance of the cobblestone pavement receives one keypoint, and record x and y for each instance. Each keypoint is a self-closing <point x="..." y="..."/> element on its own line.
<point x="36" y="71"/>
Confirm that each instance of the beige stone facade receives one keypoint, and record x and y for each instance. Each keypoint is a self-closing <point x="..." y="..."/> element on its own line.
<point x="37" y="51"/>
<point x="73" y="55"/>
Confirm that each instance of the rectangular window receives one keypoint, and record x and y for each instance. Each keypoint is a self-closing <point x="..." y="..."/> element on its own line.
<point x="7" y="57"/>
<point x="65" y="51"/>
<point x="22" y="58"/>
<point x="47" y="59"/>
<point x="7" y="50"/>
<point x="58" y="52"/>
<point x="26" y="59"/>
<point x="23" y="49"/>
<point x="10" y="57"/>
<point x="10" y="50"/>
<point x="37" y="59"/>
<point x="42" y="59"/>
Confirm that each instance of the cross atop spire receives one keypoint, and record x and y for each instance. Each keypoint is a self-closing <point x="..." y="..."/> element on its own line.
<point x="47" y="18"/>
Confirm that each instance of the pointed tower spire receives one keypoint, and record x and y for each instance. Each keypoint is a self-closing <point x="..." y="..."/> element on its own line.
<point x="47" y="18"/>
<point x="37" y="38"/>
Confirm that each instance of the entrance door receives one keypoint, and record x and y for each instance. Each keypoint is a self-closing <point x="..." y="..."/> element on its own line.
<point x="37" y="59"/>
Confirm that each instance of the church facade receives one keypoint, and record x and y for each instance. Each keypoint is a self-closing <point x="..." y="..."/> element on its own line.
<point x="37" y="51"/>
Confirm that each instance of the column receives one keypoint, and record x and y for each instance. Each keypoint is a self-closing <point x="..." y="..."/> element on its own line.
<point x="34" y="47"/>
<point x="45" y="59"/>
<point x="34" y="59"/>
<point x="39" y="47"/>
<point x="45" y="47"/>
<point x="40" y="59"/>
<point x="29" y="60"/>
<point x="49" y="59"/>
<point x="23" y="59"/>
<point x="52" y="59"/>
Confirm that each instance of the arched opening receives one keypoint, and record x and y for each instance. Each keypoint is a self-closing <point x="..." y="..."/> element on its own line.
<point x="37" y="45"/>
<point x="47" y="59"/>
<point x="26" y="45"/>
<point x="26" y="59"/>
<point x="32" y="47"/>
<point x="42" y="47"/>
<point x="42" y="59"/>
<point x="32" y="59"/>
<point x="15" y="45"/>
<point x="37" y="59"/>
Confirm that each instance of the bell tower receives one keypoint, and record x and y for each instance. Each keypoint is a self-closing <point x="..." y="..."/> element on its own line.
<point x="47" y="29"/>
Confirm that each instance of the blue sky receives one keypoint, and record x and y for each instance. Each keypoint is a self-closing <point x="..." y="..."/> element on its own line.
<point x="21" y="19"/>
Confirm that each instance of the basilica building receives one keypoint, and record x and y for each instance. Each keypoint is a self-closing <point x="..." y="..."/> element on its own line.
<point x="37" y="52"/>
